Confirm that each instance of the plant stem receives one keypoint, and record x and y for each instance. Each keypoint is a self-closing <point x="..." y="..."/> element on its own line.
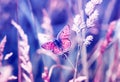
<point x="19" y="61"/>
<point x="84" y="57"/>
<point x="77" y="59"/>
<point x="19" y="67"/>
<point x="79" y="5"/>
<point x="69" y="61"/>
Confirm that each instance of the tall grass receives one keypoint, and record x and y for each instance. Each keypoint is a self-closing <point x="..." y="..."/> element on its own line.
<point x="93" y="55"/>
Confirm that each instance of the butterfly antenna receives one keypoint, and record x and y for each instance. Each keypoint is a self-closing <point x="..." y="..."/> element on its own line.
<point x="69" y="60"/>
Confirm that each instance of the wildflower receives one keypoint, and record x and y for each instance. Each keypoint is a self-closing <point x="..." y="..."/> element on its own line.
<point x="88" y="40"/>
<point x="82" y="25"/>
<point x="76" y="23"/>
<point x="95" y="14"/>
<point x="89" y="8"/>
<point x="92" y="18"/>
<point x="75" y="28"/>
<point x="77" y="19"/>
<point x="96" y="1"/>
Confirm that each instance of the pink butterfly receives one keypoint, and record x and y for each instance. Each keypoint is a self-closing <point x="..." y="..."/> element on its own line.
<point x="61" y="44"/>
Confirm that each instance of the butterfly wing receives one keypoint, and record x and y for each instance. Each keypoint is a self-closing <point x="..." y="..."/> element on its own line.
<point x="64" y="33"/>
<point x="64" y="37"/>
<point x="66" y="43"/>
<point x="52" y="47"/>
<point x="48" y="45"/>
<point x="57" y="50"/>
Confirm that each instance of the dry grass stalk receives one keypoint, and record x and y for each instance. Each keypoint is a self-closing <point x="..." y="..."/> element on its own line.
<point x="114" y="67"/>
<point x="103" y="47"/>
<point x="2" y="45"/>
<point x="24" y="61"/>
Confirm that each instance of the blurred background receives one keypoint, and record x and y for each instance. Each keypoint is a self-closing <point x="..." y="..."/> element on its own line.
<point x="42" y="20"/>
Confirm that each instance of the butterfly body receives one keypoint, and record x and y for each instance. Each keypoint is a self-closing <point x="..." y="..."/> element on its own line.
<point x="58" y="43"/>
<point x="61" y="44"/>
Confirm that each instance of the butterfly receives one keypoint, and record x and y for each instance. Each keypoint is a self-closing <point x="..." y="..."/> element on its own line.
<point x="61" y="44"/>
